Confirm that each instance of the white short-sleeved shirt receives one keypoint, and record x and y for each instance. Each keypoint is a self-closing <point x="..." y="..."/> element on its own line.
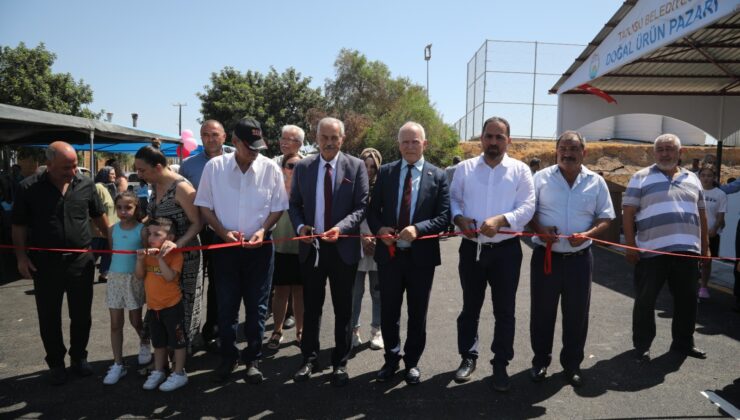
<point x="571" y="209"/>
<point x="242" y="201"/>
<point x="715" y="201"/>
<point x="479" y="192"/>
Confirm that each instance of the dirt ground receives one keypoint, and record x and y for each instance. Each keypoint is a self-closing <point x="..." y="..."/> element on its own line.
<point x="617" y="161"/>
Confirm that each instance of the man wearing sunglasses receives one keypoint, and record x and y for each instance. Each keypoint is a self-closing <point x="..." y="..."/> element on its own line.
<point x="241" y="196"/>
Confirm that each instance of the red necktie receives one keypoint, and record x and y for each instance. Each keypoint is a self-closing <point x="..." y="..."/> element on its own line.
<point x="328" y="189"/>
<point x="404" y="213"/>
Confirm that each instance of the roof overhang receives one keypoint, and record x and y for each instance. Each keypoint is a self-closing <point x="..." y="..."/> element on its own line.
<point x="29" y="126"/>
<point x="662" y="47"/>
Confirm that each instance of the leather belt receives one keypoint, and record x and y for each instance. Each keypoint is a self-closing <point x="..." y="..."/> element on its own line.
<point x="578" y="253"/>
<point x="494" y="245"/>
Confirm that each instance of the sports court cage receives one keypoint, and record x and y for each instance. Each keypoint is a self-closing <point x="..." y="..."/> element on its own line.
<point x="511" y="79"/>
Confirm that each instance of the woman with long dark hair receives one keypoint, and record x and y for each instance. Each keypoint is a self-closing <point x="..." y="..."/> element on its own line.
<point x="172" y="197"/>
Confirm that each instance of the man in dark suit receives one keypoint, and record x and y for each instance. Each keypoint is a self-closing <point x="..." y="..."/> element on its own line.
<point x="410" y="200"/>
<point x="328" y="198"/>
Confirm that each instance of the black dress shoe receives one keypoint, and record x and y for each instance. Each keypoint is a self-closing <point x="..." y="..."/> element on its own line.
<point x="690" y="351"/>
<point x="413" y="376"/>
<point x="466" y="369"/>
<point x="304" y="372"/>
<point x="82" y="367"/>
<point x="339" y="377"/>
<point x="574" y="377"/>
<point x="641" y="356"/>
<point x="223" y="371"/>
<point x="58" y="375"/>
<point x="386" y="372"/>
<point x="537" y="374"/>
<point x="501" y="381"/>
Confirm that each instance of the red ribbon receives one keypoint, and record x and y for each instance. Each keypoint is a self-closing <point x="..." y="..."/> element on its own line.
<point x="547" y="268"/>
<point x="440" y="235"/>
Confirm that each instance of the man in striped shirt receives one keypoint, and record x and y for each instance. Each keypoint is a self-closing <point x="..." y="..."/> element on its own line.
<point x="663" y="210"/>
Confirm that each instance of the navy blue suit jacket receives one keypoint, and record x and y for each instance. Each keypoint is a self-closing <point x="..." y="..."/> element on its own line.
<point x="349" y="202"/>
<point x="431" y="214"/>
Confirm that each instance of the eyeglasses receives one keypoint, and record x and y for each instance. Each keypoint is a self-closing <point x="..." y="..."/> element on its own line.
<point x="290" y="165"/>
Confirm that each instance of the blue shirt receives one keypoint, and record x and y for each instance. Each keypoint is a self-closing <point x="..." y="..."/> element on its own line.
<point x="571" y="209"/>
<point x="192" y="167"/>
<point x="127" y="240"/>
<point x="415" y="183"/>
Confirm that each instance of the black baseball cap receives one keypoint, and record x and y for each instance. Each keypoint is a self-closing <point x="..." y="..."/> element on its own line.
<point x="249" y="131"/>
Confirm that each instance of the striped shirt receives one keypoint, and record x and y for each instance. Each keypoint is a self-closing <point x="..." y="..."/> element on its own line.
<point x="667" y="215"/>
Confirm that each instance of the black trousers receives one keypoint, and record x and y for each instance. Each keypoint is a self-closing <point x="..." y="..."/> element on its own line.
<point x="341" y="279"/>
<point x="56" y="275"/>
<point x="243" y="276"/>
<point x="498" y="267"/>
<point x="208" y="237"/>
<point x="650" y="275"/>
<point x="570" y="279"/>
<point x="401" y="275"/>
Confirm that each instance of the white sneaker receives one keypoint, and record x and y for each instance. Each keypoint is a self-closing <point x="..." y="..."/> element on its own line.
<point x="176" y="380"/>
<point x="376" y="343"/>
<point x="145" y="354"/>
<point x="356" y="339"/>
<point x="155" y="378"/>
<point x="115" y="372"/>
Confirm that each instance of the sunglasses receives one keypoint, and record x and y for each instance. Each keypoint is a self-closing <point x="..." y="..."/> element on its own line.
<point x="290" y="165"/>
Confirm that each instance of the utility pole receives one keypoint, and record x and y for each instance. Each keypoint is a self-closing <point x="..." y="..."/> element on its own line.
<point x="427" y="57"/>
<point x="179" y="120"/>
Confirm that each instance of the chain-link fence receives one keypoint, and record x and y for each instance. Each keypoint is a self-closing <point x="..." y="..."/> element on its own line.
<point x="511" y="79"/>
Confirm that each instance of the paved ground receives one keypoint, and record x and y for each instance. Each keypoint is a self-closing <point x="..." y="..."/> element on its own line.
<point x="669" y="387"/>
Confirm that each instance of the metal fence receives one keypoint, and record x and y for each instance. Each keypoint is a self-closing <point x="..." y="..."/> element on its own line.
<point x="511" y="79"/>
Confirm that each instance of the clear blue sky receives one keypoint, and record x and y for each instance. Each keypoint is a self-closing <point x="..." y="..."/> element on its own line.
<point x="143" y="56"/>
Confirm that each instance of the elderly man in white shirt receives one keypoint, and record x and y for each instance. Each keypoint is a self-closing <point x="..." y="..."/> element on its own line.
<point x="489" y="193"/>
<point x="241" y="196"/>
<point x="572" y="201"/>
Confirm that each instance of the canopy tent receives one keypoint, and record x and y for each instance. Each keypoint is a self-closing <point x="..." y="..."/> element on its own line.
<point x="679" y="59"/>
<point x="675" y="58"/>
<point x="29" y="126"/>
<point x="169" y="149"/>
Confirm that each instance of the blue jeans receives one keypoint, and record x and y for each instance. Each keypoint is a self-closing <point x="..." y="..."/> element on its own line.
<point x="358" y="291"/>
<point x="243" y="275"/>
<point x="105" y="259"/>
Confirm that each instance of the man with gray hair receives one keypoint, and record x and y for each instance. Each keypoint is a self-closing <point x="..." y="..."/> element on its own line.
<point x="52" y="210"/>
<point x="410" y="200"/>
<point x="663" y="210"/>
<point x="291" y="141"/>
<point x="328" y="198"/>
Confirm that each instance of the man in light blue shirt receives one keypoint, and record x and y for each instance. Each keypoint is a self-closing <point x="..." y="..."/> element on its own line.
<point x="213" y="136"/>
<point x="572" y="201"/>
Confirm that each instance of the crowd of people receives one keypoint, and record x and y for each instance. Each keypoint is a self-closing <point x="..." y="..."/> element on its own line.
<point x="283" y="226"/>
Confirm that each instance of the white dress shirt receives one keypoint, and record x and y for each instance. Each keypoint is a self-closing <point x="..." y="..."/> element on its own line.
<point x="242" y="201"/>
<point x="319" y="214"/>
<point x="571" y="209"/>
<point x="479" y="192"/>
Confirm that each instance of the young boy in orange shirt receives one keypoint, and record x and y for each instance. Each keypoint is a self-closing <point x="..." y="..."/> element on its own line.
<point x="165" y="312"/>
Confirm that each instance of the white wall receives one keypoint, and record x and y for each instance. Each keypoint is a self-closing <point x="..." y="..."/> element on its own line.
<point x="578" y="110"/>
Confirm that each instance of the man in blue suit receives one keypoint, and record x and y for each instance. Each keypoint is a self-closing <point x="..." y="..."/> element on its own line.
<point x="410" y="200"/>
<point x="328" y="198"/>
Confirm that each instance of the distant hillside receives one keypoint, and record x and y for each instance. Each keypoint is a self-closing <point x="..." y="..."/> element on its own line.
<point x="617" y="161"/>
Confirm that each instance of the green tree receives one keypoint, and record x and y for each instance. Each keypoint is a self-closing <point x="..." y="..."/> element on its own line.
<point x="413" y="105"/>
<point x="26" y="80"/>
<point x="361" y="86"/>
<point x="274" y="99"/>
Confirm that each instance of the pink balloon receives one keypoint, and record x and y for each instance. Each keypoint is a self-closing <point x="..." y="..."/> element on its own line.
<point x="189" y="144"/>
<point x="186" y="133"/>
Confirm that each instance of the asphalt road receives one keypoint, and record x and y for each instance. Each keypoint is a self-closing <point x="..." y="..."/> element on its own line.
<point x="616" y="387"/>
